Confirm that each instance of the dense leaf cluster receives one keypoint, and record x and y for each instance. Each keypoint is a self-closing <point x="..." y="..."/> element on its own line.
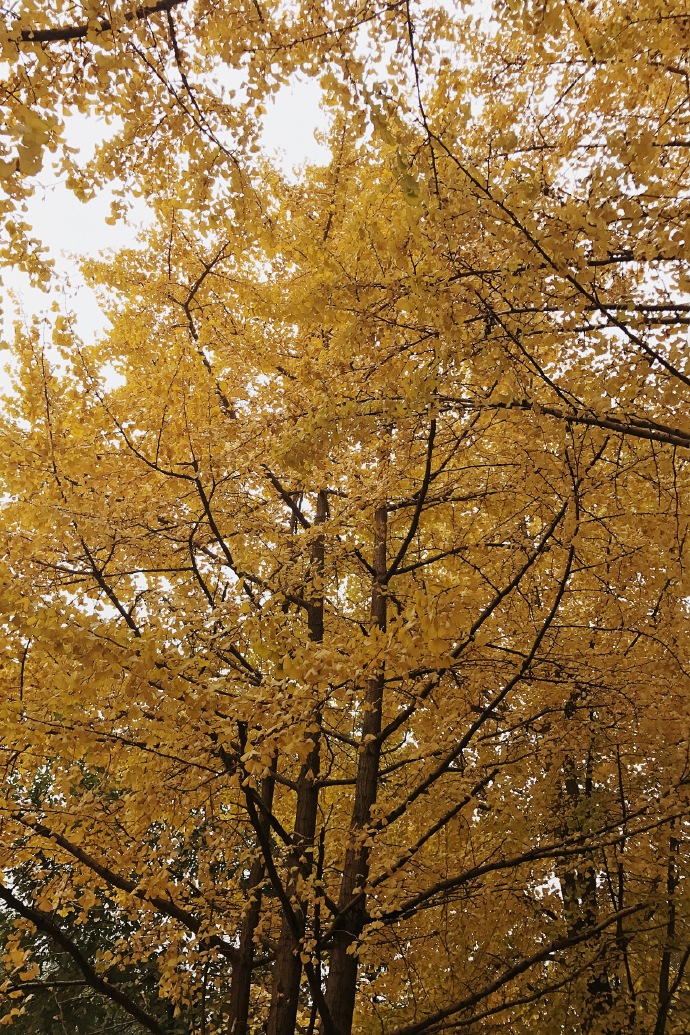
<point x="344" y="580"/>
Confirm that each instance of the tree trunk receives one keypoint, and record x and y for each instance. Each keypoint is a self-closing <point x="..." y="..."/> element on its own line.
<point x="240" y="988"/>
<point x="577" y="876"/>
<point x="287" y="969"/>
<point x="341" y="987"/>
<point x="664" y="994"/>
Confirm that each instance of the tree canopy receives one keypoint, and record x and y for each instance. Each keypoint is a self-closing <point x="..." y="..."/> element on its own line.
<point x="344" y="636"/>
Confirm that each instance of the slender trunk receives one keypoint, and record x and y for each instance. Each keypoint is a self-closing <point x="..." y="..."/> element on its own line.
<point x="341" y="987"/>
<point x="621" y="935"/>
<point x="664" y="993"/>
<point x="240" y="987"/>
<point x="287" y="969"/>
<point x="578" y="882"/>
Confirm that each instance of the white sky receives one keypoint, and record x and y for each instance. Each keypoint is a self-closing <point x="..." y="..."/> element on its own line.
<point x="74" y="230"/>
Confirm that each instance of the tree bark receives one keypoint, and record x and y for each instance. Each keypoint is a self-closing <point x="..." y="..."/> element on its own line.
<point x="287" y="969"/>
<point x="241" y="985"/>
<point x="341" y="988"/>
<point x="664" y="994"/>
<point x="578" y="882"/>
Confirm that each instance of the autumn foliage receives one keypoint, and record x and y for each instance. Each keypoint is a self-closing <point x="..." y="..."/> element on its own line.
<point x="344" y="638"/>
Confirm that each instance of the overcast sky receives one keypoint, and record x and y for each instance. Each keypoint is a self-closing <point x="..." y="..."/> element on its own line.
<point x="74" y="230"/>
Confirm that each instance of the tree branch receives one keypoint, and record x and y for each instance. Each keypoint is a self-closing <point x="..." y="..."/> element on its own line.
<point x="434" y="1021"/>
<point x="78" y="32"/>
<point x="46" y="925"/>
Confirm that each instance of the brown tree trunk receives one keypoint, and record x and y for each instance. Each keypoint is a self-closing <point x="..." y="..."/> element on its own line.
<point x="287" y="969"/>
<point x="578" y="882"/>
<point x="664" y="994"/>
<point x="240" y="987"/>
<point x="341" y="987"/>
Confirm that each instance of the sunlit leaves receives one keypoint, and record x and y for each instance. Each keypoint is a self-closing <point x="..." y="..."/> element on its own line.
<point x="461" y="339"/>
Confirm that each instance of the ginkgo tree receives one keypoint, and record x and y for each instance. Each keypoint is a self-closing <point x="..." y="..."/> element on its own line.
<point x="344" y="592"/>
